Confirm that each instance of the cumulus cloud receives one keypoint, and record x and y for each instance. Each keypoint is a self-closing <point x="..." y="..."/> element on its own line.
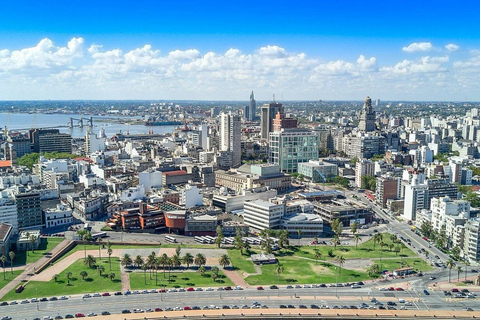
<point x="452" y="47"/>
<point x="418" y="47"/>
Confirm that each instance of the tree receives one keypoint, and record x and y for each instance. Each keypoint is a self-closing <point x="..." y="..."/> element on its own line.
<point x="356" y="237"/>
<point x="426" y="228"/>
<point x="299" y="233"/>
<point x="156" y="263"/>
<point x="456" y="252"/>
<point x="151" y="262"/>
<point x="188" y="259"/>
<point x="374" y="269"/>
<point x="11" y="255"/>
<point x="220" y="237"/>
<point x="99" y="248"/>
<point x="393" y="238"/>
<point x="317" y="255"/>
<point x="110" y="251"/>
<point x="176" y="262"/>
<point x="336" y="240"/>
<point x="215" y="272"/>
<point x="178" y="249"/>
<point x="369" y="182"/>
<point x="341" y="262"/>
<point x="397" y="249"/>
<point x="238" y="242"/>
<point x="126" y="260"/>
<point x="279" y="270"/>
<point x="224" y="260"/>
<point x="69" y="274"/>
<point x="459" y="270"/>
<point x="391" y="245"/>
<point x="138" y="262"/>
<point x="378" y="237"/>
<point x="337" y="227"/>
<point x="144" y="268"/>
<point x="100" y="269"/>
<point x="90" y="261"/>
<point x="111" y="276"/>
<point x="164" y="262"/>
<point x="3" y="259"/>
<point x="450" y="266"/>
<point x="55" y="277"/>
<point x="83" y="274"/>
<point x="33" y="239"/>
<point x="200" y="260"/>
<point x="202" y="270"/>
<point x="354" y="227"/>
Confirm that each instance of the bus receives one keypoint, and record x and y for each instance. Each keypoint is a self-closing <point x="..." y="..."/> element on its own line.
<point x="99" y="235"/>
<point x="199" y="239"/>
<point x="170" y="239"/>
<point x="209" y="239"/>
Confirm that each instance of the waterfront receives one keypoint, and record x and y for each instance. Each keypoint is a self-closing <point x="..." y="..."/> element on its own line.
<point x="25" y="120"/>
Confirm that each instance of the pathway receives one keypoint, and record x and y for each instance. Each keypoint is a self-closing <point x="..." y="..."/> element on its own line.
<point x="30" y="269"/>
<point x="236" y="278"/>
<point x="125" y="276"/>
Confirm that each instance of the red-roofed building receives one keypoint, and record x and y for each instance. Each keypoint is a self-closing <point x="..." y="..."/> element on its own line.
<point x="5" y="163"/>
<point x="176" y="177"/>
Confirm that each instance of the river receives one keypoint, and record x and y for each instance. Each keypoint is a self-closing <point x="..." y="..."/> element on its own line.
<point x="25" y="121"/>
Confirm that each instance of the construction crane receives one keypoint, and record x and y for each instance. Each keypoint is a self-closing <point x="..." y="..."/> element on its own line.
<point x="322" y="176"/>
<point x="5" y="131"/>
<point x="33" y="122"/>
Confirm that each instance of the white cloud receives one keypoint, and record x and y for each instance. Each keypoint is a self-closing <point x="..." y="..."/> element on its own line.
<point x="452" y="47"/>
<point x="365" y="64"/>
<point x="423" y="65"/>
<point x="418" y="47"/>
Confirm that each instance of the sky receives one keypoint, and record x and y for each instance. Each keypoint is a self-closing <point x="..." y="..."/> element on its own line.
<point x="222" y="50"/>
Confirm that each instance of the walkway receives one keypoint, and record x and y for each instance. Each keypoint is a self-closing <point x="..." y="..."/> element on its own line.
<point x="125" y="276"/>
<point x="30" y="269"/>
<point x="236" y="278"/>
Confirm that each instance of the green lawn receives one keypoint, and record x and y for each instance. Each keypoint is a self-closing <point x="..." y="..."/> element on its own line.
<point x="81" y="247"/>
<point x="416" y="263"/>
<point x="301" y="271"/>
<point x="364" y="251"/>
<point x="239" y="262"/>
<point x="26" y="257"/>
<point x="178" y="280"/>
<point x="8" y="276"/>
<point x="92" y="283"/>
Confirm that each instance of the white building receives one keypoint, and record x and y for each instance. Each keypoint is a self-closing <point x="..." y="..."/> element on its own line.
<point x="150" y="179"/>
<point x="90" y="180"/>
<point x="133" y="193"/>
<point x="8" y="210"/>
<point x="230" y="203"/>
<point x="93" y="143"/>
<point x="61" y="215"/>
<point x="362" y="168"/>
<point x="471" y="244"/>
<point x="190" y="196"/>
<point x="451" y="215"/>
<point x="21" y="179"/>
<point x="261" y="214"/>
<point x="230" y="136"/>
<point x="310" y="224"/>
<point x="416" y="196"/>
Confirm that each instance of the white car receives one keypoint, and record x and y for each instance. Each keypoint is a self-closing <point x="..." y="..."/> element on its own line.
<point x="63" y="298"/>
<point x="138" y="310"/>
<point x="238" y="288"/>
<point x="408" y="303"/>
<point x="383" y="289"/>
<point x="209" y="289"/>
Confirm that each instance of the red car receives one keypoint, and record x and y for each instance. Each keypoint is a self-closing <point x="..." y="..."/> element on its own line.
<point x="106" y="294"/>
<point x="228" y="288"/>
<point x="399" y="289"/>
<point x="158" y="309"/>
<point x="391" y="289"/>
<point x="259" y="288"/>
<point x="425" y="239"/>
<point x="79" y="315"/>
<point x="162" y="290"/>
<point x="455" y="290"/>
<point x="187" y="308"/>
<point x="190" y="289"/>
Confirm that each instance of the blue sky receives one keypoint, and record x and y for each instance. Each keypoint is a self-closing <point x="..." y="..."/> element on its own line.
<point x="332" y="35"/>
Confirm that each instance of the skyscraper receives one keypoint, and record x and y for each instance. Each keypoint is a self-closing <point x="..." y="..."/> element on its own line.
<point x="367" y="116"/>
<point x="252" y="108"/>
<point x="230" y="136"/>
<point x="269" y="111"/>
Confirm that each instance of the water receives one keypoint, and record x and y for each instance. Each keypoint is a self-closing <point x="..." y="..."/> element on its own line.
<point x="25" y="121"/>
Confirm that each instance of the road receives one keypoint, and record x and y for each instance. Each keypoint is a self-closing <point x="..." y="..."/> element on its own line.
<point x="272" y="298"/>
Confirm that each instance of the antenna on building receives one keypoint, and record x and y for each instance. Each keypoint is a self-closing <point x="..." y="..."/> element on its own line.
<point x="274" y="97"/>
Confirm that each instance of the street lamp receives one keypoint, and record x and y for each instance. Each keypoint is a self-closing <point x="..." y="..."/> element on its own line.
<point x="336" y="283"/>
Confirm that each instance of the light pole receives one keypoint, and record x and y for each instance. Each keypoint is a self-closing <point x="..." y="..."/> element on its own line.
<point x="336" y="283"/>
<point x="36" y="292"/>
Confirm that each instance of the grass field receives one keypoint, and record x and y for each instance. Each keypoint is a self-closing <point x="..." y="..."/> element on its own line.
<point x="301" y="271"/>
<point x="81" y="247"/>
<point x="92" y="283"/>
<point x="415" y="263"/>
<point x="26" y="257"/>
<point x="240" y="262"/>
<point x="178" y="280"/>
<point x="8" y="276"/>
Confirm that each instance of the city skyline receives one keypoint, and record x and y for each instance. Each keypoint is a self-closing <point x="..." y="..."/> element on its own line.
<point x="195" y="51"/>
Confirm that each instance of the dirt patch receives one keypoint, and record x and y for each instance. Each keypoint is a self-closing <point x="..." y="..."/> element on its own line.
<point x="357" y="264"/>
<point x="317" y="268"/>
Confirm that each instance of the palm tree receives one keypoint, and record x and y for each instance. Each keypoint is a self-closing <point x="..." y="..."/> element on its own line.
<point x="220" y="237"/>
<point x="377" y="238"/>
<point x="398" y="248"/>
<point x="466" y="269"/>
<point x="33" y="239"/>
<point x="90" y="261"/>
<point x="100" y="269"/>
<point x="144" y="268"/>
<point x="156" y="263"/>
<point x="151" y="262"/>
<point x="138" y="261"/>
<point x="459" y="270"/>
<point x="3" y="259"/>
<point x="450" y="266"/>
<point x="170" y="265"/>
<point x="188" y="259"/>
<point x="238" y="243"/>
<point x="299" y="233"/>
<point x="202" y="270"/>
<point x="336" y="240"/>
<point x="393" y="238"/>
<point x="176" y="262"/>
<point x="111" y="275"/>
<point x="278" y="269"/>
<point x="126" y="260"/>
<point x="317" y="255"/>
<point x="391" y="245"/>
<point x="178" y="249"/>
<point x="224" y="260"/>
<point x="341" y="262"/>
<point x="109" y="251"/>
<point x="11" y="255"/>
<point x="69" y="274"/>
<point x="83" y="274"/>
<point x="374" y="269"/>
<point x="356" y="237"/>
<point x="200" y="260"/>
<point x="164" y="262"/>
<point x="99" y="247"/>
<point x="55" y="277"/>
<point x="215" y="272"/>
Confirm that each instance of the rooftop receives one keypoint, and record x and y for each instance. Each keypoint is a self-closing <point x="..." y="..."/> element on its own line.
<point x="5" y="229"/>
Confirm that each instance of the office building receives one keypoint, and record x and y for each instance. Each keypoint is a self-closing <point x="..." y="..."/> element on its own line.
<point x="416" y="196"/>
<point x="8" y="210"/>
<point x="367" y="116"/>
<point x="50" y="140"/>
<point x="231" y="136"/>
<point x="387" y="188"/>
<point x="252" y="106"/>
<point x="318" y="171"/>
<point x="269" y="111"/>
<point x="471" y="244"/>
<point x="29" y="211"/>
<point x="261" y="214"/>
<point x="363" y="167"/>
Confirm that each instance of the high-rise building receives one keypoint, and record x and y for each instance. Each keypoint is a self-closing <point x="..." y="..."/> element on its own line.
<point x="251" y="108"/>
<point x="28" y="209"/>
<point x="363" y="167"/>
<point x="246" y="112"/>
<point x="387" y="188"/>
<point x="415" y="199"/>
<point x="8" y="210"/>
<point x="50" y="140"/>
<point x="367" y="116"/>
<point x="288" y="147"/>
<point x="269" y="111"/>
<point x="93" y="143"/>
<point x="17" y="145"/>
<point x="230" y="136"/>
<point x="199" y="137"/>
